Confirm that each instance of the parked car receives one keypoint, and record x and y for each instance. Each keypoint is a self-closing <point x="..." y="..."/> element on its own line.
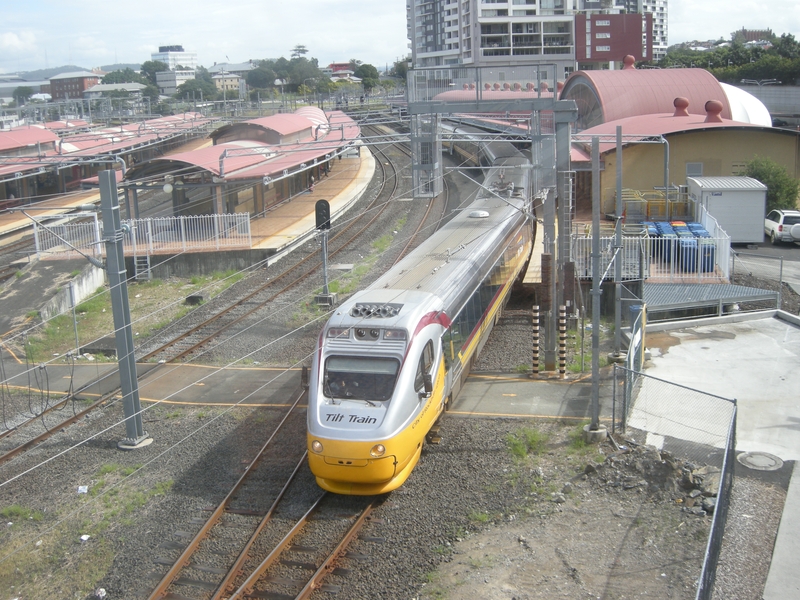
<point x="783" y="226"/>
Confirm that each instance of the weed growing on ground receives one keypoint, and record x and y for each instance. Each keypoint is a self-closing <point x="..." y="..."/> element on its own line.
<point x="154" y="305"/>
<point x="527" y="441"/>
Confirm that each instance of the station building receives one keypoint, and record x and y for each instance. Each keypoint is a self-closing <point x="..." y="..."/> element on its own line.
<point x="40" y="160"/>
<point x="676" y="123"/>
<point x="252" y="166"/>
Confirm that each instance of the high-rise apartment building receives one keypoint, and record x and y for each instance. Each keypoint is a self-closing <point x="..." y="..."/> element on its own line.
<point x="176" y="56"/>
<point x="658" y="8"/>
<point x="508" y="32"/>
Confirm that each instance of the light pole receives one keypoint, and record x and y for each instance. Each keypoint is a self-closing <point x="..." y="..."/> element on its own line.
<point x="304" y="84"/>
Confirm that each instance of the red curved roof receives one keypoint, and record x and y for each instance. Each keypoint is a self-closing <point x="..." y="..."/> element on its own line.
<point x="247" y="160"/>
<point x="630" y="92"/>
<point x="282" y="123"/>
<point x="21" y="138"/>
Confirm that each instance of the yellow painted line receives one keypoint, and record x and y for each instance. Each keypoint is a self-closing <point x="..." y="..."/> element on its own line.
<point x="510" y="395"/>
<point x="522" y="416"/>
<point x="499" y="377"/>
<point x="11" y="352"/>
<point x="254" y="368"/>
<point x="180" y="403"/>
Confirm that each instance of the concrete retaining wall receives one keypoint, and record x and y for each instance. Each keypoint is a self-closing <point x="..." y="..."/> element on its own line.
<point x="83" y="285"/>
<point x="200" y="263"/>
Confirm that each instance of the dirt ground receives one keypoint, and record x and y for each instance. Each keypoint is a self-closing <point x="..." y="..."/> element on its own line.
<point x="631" y="526"/>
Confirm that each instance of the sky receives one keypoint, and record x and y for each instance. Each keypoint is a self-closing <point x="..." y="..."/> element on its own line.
<point x="36" y="34"/>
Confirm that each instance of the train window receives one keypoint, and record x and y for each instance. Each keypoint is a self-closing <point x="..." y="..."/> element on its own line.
<point x="360" y="377"/>
<point x="425" y="366"/>
<point x="447" y="349"/>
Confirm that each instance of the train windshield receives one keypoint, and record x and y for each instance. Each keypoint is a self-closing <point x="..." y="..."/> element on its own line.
<point x="360" y="377"/>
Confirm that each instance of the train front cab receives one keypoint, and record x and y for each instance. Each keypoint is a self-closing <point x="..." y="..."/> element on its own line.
<point x="378" y="466"/>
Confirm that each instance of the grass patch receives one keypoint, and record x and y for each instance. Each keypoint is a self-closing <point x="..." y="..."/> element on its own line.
<point x="577" y="444"/>
<point x="479" y="517"/>
<point x="15" y="512"/>
<point x="154" y="305"/>
<point x="527" y="441"/>
<point x="81" y="564"/>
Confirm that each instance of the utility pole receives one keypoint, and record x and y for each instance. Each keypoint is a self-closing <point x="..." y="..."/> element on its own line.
<point x="136" y="436"/>
<point x="595" y="432"/>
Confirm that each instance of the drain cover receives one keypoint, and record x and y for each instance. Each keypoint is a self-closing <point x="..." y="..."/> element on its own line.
<point x="761" y="461"/>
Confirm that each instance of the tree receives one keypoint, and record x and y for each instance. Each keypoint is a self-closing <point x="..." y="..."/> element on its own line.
<point x="400" y="69"/>
<point x="369" y="76"/>
<point x="261" y="77"/>
<point x="151" y="67"/>
<point x="194" y="87"/>
<point x="22" y="94"/>
<point x="299" y="51"/>
<point x="785" y="46"/>
<point x="204" y="74"/>
<point x="127" y="75"/>
<point x="782" y="190"/>
<point x="151" y="91"/>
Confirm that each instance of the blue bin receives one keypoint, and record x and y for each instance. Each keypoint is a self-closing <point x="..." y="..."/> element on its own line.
<point x="707" y="255"/>
<point x="666" y="247"/>
<point x="688" y="254"/>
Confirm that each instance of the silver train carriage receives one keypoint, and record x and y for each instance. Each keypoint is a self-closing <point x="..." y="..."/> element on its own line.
<point x="394" y="355"/>
<point x="472" y="146"/>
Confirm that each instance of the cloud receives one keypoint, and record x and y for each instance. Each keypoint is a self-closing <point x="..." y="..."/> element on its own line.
<point x="25" y="41"/>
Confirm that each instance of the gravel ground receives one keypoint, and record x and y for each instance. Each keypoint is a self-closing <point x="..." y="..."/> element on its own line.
<point x="477" y="514"/>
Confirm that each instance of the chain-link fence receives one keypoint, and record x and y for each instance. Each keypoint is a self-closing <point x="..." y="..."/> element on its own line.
<point x="693" y="425"/>
<point x="769" y="273"/>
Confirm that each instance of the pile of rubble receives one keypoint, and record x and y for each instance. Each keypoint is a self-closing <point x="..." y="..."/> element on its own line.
<point x="660" y="474"/>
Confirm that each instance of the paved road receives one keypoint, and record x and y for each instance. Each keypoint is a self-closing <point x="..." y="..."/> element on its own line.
<point x="765" y="261"/>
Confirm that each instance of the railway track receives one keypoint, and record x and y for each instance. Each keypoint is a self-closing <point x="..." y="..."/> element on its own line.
<point x="268" y="538"/>
<point x="192" y="342"/>
<point x="189" y="344"/>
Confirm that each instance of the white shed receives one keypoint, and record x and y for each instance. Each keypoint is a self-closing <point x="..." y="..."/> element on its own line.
<point x="737" y="203"/>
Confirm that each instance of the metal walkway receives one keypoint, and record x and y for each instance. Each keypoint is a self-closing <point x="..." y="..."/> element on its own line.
<point x="661" y="297"/>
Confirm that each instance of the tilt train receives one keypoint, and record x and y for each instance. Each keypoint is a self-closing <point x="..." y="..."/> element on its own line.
<point x="395" y="355"/>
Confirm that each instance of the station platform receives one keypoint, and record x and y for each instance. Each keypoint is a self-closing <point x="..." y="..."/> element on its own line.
<point x="293" y="221"/>
<point x="279" y="229"/>
<point x="13" y="224"/>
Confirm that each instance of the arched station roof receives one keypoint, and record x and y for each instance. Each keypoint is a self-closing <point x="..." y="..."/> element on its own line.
<point x="243" y="159"/>
<point x="274" y="129"/>
<point x="663" y="124"/>
<point x="18" y="139"/>
<point x="604" y="96"/>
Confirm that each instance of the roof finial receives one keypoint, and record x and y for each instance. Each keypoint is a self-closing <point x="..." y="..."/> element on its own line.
<point x="681" y="105"/>
<point x="713" y="110"/>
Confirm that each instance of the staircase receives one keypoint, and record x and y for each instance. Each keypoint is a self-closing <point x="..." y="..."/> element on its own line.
<point x="142" y="268"/>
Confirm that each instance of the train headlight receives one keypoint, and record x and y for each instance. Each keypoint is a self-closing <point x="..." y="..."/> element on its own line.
<point x="377" y="450"/>
<point x="316" y="446"/>
<point x="394" y="334"/>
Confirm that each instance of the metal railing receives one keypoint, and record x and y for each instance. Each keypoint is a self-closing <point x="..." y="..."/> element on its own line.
<point x="162" y="235"/>
<point x="199" y="233"/>
<point x="692" y="425"/>
<point x="667" y="259"/>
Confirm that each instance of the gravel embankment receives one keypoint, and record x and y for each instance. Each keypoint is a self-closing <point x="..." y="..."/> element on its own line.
<point x="461" y="492"/>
